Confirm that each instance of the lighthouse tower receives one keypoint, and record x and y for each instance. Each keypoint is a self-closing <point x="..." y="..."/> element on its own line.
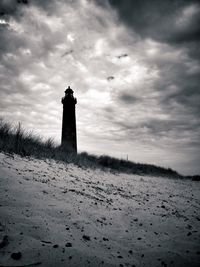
<point x="68" y="140"/>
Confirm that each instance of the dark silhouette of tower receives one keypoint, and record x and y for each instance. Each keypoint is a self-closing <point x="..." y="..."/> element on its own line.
<point x="68" y="140"/>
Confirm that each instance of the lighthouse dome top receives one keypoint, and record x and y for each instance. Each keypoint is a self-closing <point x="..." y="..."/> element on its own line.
<point x="69" y="97"/>
<point x="69" y="91"/>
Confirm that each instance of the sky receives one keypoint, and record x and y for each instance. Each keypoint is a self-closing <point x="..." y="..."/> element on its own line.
<point x="134" y="66"/>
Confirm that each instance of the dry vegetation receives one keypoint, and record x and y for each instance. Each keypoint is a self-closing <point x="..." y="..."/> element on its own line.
<point x="15" y="139"/>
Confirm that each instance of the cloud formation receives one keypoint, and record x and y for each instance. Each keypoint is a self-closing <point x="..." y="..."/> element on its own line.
<point x="171" y="21"/>
<point x="134" y="67"/>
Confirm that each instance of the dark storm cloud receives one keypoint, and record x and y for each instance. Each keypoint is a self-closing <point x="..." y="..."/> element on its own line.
<point x="11" y="8"/>
<point x="161" y="20"/>
<point x="179" y="88"/>
<point x="176" y="24"/>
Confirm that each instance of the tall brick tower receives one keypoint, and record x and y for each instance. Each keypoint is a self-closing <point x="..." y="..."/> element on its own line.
<point x="68" y="140"/>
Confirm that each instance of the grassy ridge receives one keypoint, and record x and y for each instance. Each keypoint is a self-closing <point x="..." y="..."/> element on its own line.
<point x="19" y="141"/>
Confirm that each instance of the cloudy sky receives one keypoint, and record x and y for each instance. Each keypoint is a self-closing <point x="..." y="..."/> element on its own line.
<point x="134" y="66"/>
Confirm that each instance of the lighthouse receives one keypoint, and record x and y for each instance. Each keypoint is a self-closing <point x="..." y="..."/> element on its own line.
<point x="68" y="139"/>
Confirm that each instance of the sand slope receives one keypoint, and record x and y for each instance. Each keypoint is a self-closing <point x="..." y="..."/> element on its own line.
<point x="63" y="215"/>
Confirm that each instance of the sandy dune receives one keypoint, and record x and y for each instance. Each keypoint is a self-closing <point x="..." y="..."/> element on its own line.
<point x="63" y="215"/>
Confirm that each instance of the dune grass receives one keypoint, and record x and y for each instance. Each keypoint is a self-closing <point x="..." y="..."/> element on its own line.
<point x="15" y="139"/>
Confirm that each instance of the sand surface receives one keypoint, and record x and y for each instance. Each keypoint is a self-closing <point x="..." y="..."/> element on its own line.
<point x="63" y="215"/>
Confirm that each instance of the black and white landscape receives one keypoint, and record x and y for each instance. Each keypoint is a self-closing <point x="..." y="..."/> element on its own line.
<point x="120" y="80"/>
<point x="63" y="215"/>
<point x="133" y="65"/>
